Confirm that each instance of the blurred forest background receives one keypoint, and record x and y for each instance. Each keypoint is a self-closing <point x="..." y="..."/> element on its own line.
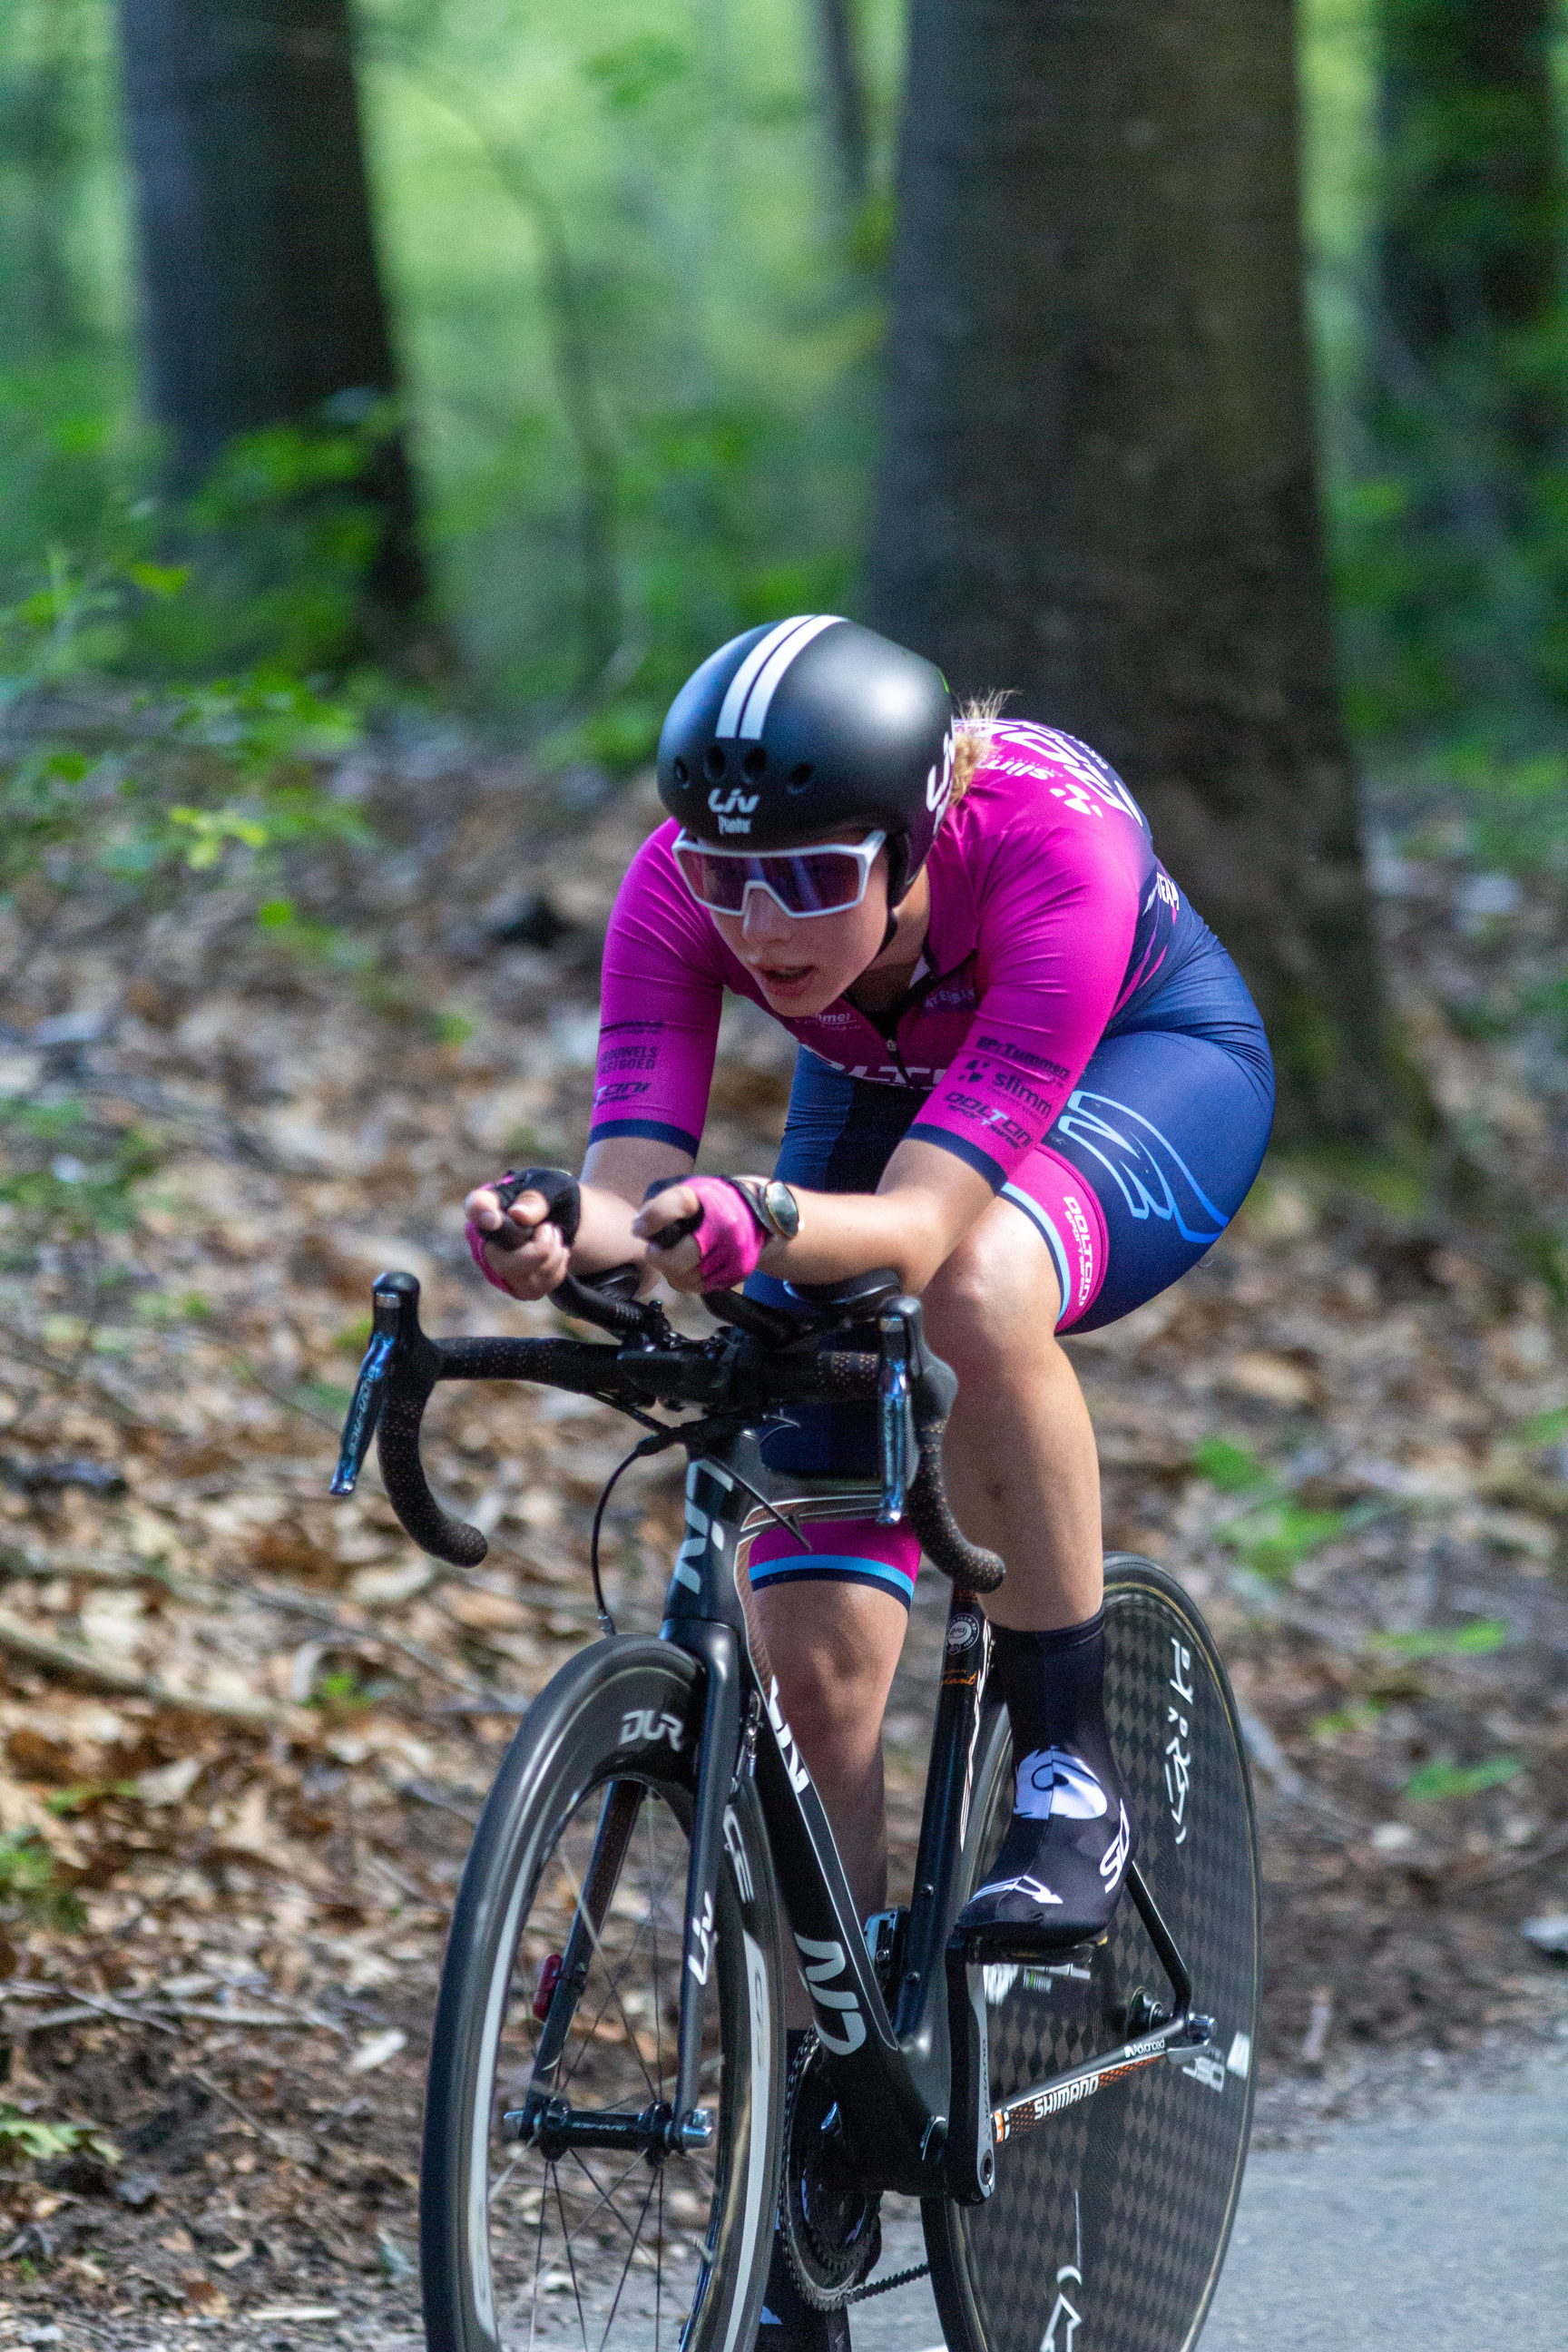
<point x="635" y="262"/>
<point x="393" y="408"/>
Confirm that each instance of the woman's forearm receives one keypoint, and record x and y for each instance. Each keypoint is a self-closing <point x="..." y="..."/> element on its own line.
<point x="927" y="1201"/>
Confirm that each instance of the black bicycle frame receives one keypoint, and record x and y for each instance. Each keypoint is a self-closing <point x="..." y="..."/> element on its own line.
<point x="909" y="2068"/>
<point x="914" y="2096"/>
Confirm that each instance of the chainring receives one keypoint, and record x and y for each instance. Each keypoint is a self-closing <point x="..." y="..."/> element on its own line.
<point x="830" y="2225"/>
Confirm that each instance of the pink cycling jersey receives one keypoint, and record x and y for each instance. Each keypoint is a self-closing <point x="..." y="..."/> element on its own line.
<point x="1050" y="915"/>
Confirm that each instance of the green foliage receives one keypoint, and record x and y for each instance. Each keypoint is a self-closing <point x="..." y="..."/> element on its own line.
<point x="1274" y="1540"/>
<point x="1474" y="1640"/>
<point x="31" y="1885"/>
<point x="153" y="803"/>
<point x="86" y="1797"/>
<point x="1233" y="1468"/>
<point x="214" y="780"/>
<point x="1361" y="1714"/>
<point x="343" y="1691"/>
<point x="31" y="2136"/>
<point x="1276" y="1531"/>
<point x="1437" y="1782"/>
<point x="51" y="1190"/>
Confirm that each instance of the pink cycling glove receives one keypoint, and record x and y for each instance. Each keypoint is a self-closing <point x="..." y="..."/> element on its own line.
<point x="730" y="1237"/>
<point x="476" y="1241"/>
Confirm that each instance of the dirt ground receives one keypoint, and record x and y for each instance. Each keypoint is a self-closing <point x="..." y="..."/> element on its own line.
<point x="254" y="1726"/>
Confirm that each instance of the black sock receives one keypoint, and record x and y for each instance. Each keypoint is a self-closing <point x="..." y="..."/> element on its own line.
<point x="1054" y="1685"/>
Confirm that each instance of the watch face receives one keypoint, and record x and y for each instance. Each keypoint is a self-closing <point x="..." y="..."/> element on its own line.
<point x="783" y="1208"/>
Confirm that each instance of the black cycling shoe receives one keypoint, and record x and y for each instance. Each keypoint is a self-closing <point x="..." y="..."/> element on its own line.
<point x="790" y="2324"/>
<point x="1064" y="1860"/>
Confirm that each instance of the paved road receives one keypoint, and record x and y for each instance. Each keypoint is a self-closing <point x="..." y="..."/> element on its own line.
<point x="1439" y="2232"/>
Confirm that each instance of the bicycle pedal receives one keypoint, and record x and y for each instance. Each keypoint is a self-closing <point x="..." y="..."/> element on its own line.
<point x="996" y="1944"/>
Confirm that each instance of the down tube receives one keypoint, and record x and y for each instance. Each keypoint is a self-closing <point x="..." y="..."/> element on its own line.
<point x="870" y="2070"/>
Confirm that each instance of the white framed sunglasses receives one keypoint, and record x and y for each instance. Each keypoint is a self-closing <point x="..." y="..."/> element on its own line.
<point x="827" y="878"/>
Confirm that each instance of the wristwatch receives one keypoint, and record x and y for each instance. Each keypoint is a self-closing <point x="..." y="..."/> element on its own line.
<point x="773" y="1205"/>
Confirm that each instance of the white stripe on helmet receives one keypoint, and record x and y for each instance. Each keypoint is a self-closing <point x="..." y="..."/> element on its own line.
<point x="769" y="677"/>
<point x="739" y="685"/>
<point x="778" y="648"/>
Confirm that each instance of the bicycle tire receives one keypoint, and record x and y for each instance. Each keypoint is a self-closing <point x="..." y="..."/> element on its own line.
<point x="602" y="2247"/>
<point x="1115" y="2214"/>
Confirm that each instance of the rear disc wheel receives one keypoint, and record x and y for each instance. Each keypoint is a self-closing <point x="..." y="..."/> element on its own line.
<point x="1114" y="2215"/>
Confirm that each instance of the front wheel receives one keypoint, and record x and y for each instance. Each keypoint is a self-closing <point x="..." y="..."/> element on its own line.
<point x="1114" y="2215"/>
<point x="578" y="1872"/>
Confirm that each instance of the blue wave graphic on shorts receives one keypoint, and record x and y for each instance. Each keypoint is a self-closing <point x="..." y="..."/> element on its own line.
<point x="1151" y="1174"/>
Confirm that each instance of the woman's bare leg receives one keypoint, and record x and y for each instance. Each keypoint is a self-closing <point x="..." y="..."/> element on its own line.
<point x="834" y="1648"/>
<point x="1019" y="1459"/>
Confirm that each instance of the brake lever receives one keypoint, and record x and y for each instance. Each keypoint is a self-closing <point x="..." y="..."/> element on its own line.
<point x="395" y="1333"/>
<point x="895" y="1409"/>
<point x="365" y="1410"/>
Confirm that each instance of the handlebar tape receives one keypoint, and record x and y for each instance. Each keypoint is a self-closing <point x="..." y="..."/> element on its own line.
<point x="941" y="1536"/>
<point x="564" y="1363"/>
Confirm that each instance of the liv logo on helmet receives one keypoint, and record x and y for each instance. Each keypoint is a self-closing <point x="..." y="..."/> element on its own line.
<point x="733" y="811"/>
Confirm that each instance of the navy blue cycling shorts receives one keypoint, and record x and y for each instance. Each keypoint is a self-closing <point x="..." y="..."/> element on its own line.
<point x="1151" y="1156"/>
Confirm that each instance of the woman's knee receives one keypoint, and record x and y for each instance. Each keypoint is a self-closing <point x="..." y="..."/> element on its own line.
<point x="833" y="1649"/>
<point x="995" y="1298"/>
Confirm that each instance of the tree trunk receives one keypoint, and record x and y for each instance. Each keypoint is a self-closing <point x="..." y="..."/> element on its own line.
<point x="1097" y="488"/>
<point x="263" y="302"/>
<point x="1473" y="210"/>
<point x="844" y="91"/>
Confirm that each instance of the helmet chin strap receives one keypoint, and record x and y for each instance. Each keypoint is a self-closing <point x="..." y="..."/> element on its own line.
<point x="891" y="933"/>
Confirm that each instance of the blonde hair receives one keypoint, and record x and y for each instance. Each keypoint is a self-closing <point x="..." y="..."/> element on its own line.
<point x="977" y="719"/>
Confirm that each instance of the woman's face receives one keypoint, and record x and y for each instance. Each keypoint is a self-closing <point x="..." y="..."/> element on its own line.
<point x="804" y="965"/>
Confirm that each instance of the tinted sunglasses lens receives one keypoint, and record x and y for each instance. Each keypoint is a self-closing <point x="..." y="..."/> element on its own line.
<point x="814" y="882"/>
<point x="716" y="882"/>
<point x="823" y="882"/>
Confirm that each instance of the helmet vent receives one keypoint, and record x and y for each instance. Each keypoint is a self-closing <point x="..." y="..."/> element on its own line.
<point x="800" y="775"/>
<point x="754" y="763"/>
<point x="682" y="772"/>
<point x="714" y="762"/>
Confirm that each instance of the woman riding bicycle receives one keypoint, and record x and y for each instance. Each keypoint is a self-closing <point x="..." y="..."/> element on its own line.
<point x="1030" y="1079"/>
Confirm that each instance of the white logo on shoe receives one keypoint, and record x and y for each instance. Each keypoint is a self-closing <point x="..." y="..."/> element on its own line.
<point x="1034" y="1888"/>
<point x="1113" y="1860"/>
<point x="1052" y="1781"/>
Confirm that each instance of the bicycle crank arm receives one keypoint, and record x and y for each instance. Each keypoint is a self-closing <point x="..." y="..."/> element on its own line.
<point x="557" y="2126"/>
<point x="1182" y="2039"/>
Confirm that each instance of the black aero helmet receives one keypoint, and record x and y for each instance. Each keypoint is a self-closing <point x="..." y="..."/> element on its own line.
<point x="788" y="732"/>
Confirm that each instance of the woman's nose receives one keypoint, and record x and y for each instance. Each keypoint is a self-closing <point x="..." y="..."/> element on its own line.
<point x="763" y="919"/>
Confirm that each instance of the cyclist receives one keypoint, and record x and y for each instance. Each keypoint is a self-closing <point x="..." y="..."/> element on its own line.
<point x="1029" y="1078"/>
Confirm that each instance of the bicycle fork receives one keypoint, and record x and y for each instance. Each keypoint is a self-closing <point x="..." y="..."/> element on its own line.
<point x="679" y="2123"/>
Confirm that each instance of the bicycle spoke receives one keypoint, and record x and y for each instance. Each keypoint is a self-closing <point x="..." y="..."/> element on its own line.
<point x="538" y="2274"/>
<point x="603" y="2196"/>
<point x="585" y="2036"/>
<point x="614" y="1987"/>
<point x="658" y="2267"/>
<point x="625" y="2266"/>
<point x="571" y="2259"/>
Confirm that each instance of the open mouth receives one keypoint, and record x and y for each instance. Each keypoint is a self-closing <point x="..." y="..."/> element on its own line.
<point x="785" y="979"/>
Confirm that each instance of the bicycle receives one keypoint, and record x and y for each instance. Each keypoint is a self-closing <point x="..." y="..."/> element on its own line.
<point x="608" y="2134"/>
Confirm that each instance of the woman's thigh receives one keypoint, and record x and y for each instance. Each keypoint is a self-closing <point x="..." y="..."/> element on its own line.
<point x="1157" y="1149"/>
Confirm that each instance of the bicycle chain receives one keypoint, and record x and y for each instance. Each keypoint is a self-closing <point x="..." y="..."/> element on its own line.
<point x="886" y="2286"/>
<point x="819" y="2295"/>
